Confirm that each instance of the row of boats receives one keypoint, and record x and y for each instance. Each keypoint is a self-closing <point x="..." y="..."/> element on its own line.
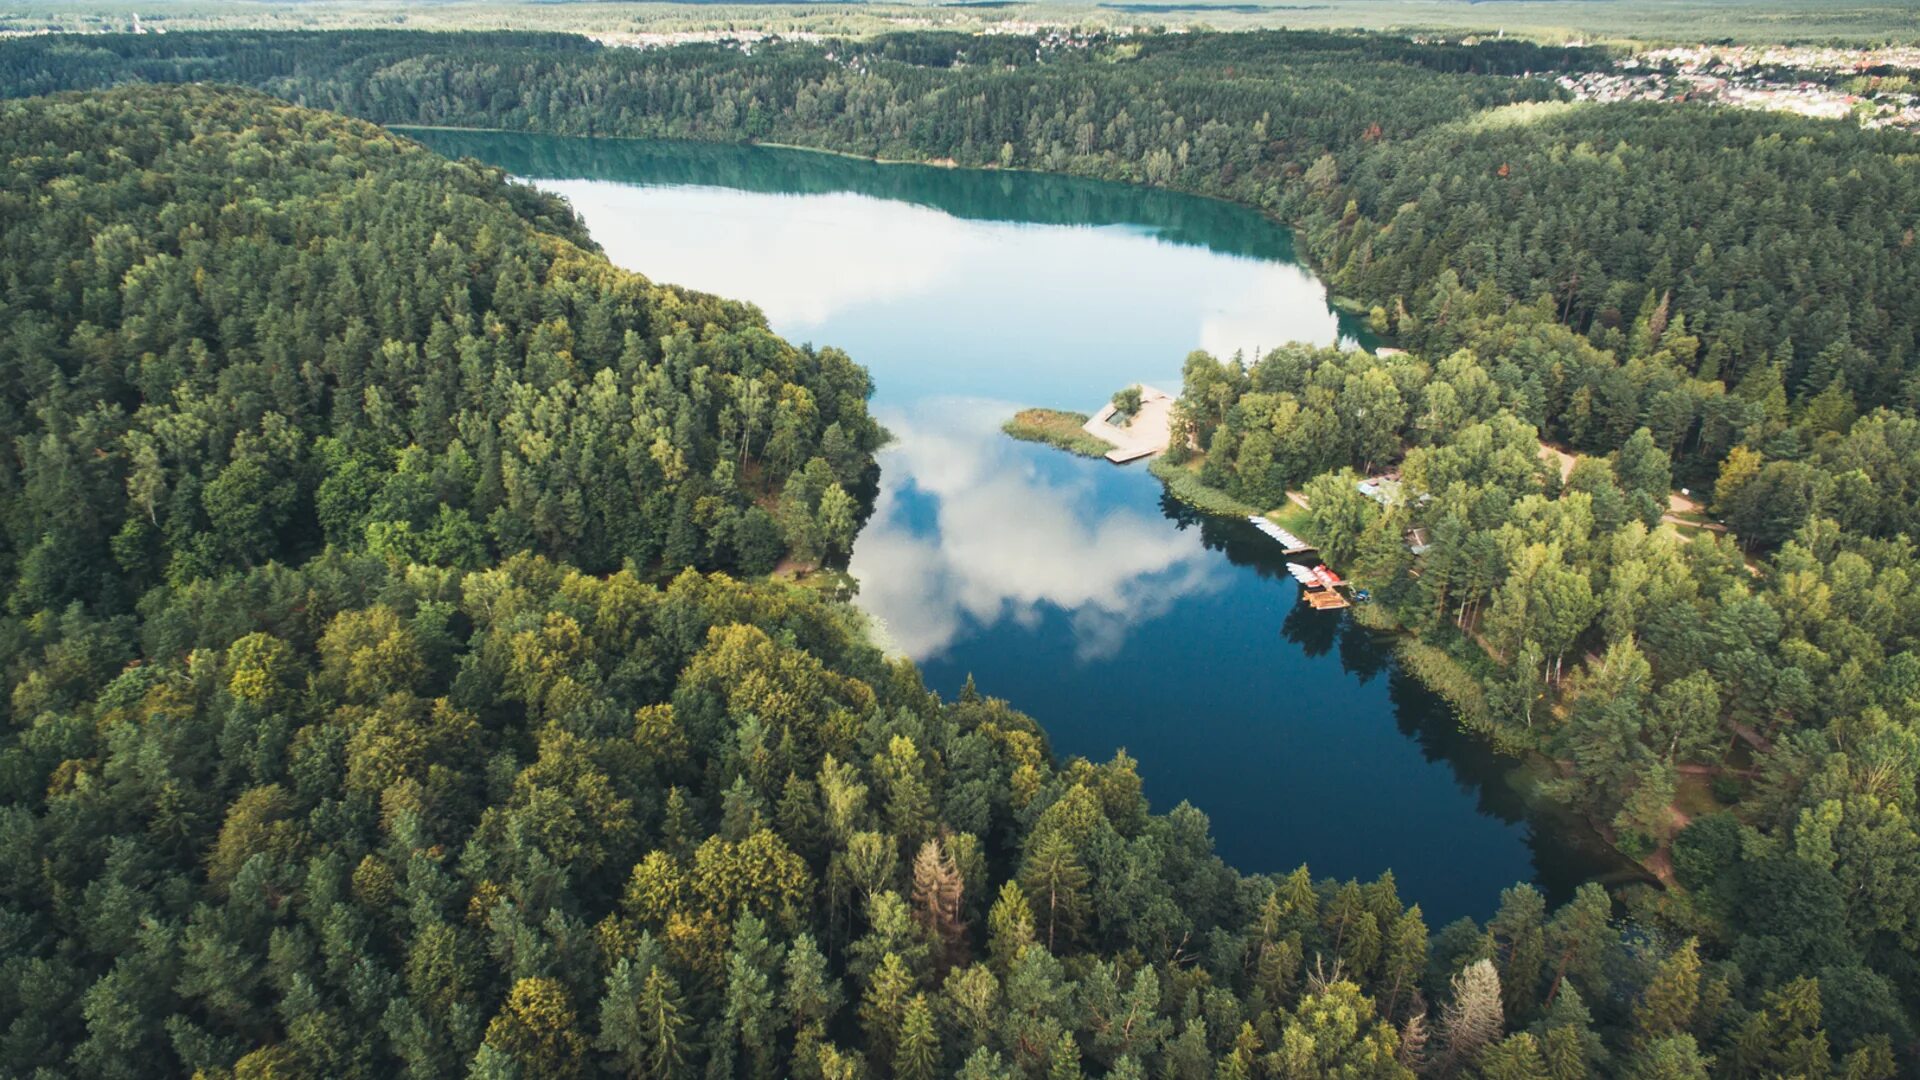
<point x="1320" y="586"/>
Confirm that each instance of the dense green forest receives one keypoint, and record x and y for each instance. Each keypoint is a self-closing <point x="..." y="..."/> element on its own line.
<point x="1764" y="242"/>
<point x="363" y="722"/>
<point x="231" y="339"/>
<point x="389" y="809"/>
<point x="1778" y="241"/>
<point x="1236" y="114"/>
<point x="1588" y="628"/>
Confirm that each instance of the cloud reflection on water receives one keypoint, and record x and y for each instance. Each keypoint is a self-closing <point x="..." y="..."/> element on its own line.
<point x="808" y="260"/>
<point x="971" y="530"/>
<point x="1005" y="539"/>
<point x="811" y="256"/>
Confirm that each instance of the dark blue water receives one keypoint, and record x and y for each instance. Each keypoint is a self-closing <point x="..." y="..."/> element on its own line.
<point x="1074" y="588"/>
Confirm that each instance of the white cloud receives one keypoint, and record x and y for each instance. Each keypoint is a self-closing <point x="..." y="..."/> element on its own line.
<point x="1007" y="542"/>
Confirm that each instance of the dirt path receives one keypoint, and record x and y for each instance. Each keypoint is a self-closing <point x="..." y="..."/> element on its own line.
<point x="1679" y="505"/>
<point x="1561" y="458"/>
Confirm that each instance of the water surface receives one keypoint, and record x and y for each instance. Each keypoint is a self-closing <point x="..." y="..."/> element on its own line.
<point x="1071" y="587"/>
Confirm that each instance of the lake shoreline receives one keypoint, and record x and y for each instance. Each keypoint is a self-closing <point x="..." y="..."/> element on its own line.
<point x="1060" y="640"/>
<point x="1347" y="305"/>
<point x="1061" y="429"/>
<point x="1428" y="664"/>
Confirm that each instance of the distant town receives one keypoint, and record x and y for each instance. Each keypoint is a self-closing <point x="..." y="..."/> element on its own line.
<point x="1880" y="87"/>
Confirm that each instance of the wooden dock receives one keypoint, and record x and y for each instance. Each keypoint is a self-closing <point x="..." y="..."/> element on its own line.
<point x="1320" y="587"/>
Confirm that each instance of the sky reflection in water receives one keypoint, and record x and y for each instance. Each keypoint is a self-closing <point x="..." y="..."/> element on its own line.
<point x="970" y="529"/>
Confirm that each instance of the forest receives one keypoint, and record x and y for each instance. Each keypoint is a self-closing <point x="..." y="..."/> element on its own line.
<point x="233" y="347"/>
<point x="1780" y="241"/>
<point x="1777" y="249"/>
<point x="393" y="690"/>
<point x="1117" y="109"/>
<point x="432" y="798"/>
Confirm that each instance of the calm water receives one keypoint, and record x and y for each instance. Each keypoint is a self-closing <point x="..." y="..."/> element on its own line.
<point x="1072" y="587"/>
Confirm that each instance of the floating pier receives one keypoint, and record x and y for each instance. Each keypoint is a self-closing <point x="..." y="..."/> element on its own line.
<point x="1293" y="544"/>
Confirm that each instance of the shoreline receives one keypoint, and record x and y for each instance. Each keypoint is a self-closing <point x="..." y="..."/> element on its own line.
<point x="1181" y="482"/>
<point x="1061" y="429"/>
<point x="945" y="164"/>
<point x="1439" y="673"/>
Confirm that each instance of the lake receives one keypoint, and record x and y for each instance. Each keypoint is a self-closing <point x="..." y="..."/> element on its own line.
<point x="1074" y="588"/>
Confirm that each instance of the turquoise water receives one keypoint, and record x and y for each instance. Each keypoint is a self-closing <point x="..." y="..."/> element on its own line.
<point x="1071" y="587"/>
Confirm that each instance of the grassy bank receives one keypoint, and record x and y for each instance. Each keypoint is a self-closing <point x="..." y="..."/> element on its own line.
<point x="1450" y="679"/>
<point x="1183" y="482"/>
<point x="1057" y="428"/>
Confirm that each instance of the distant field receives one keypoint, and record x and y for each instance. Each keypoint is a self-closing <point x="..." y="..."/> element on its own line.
<point x="1871" y="21"/>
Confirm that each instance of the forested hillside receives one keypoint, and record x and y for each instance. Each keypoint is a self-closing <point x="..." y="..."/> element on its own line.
<point x="235" y="331"/>
<point x="1778" y="241"/>
<point x="366" y="719"/>
<point x="1763" y="241"/>
<point x="1240" y="115"/>
<point x="1659" y="667"/>
<point x="391" y="810"/>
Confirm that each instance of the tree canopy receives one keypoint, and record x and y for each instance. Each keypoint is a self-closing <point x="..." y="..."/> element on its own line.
<point x="236" y="331"/>
<point x="387" y="696"/>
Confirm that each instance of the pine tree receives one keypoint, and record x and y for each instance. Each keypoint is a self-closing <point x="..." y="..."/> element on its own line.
<point x="1299" y="903"/>
<point x="1241" y="1058"/>
<point x="1667" y="1007"/>
<point x="910" y="809"/>
<point x="1671" y="1057"/>
<point x="1056" y="881"/>
<point x="1406" y="959"/>
<point x="679" y="832"/>
<point x="1521" y="940"/>
<point x="1009" y="927"/>
<point x="970" y="1002"/>
<point x="749" y="1014"/>
<point x="919" y="1055"/>
<point x="1343" y="914"/>
<point x="641" y="1020"/>
<point x="1517" y="1057"/>
<point x="1472" y="1020"/>
<point x="812" y="996"/>
<point x="661" y="1025"/>
<point x="1063" y="1061"/>
<point x="1577" y="938"/>
<point x="985" y="1064"/>
<point x="883" y="1006"/>
<point x="535" y="1029"/>
<point x="1413" y="1042"/>
<point x="1570" y="1045"/>
<point x="938" y="903"/>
